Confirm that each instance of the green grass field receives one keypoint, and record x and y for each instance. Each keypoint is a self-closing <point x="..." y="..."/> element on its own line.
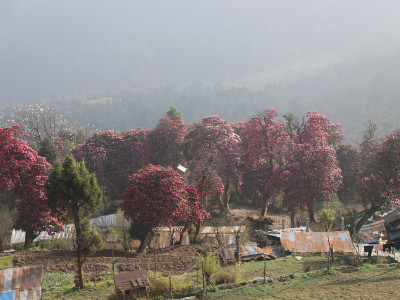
<point x="286" y="279"/>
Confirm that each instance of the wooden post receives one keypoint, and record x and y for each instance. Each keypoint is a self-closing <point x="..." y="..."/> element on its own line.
<point x="265" y="271"/>
<point x="237" y="233"/>
<point x="329" y="255"/>
<point x="170" y="286"/>
<point x="202" y="271"/>
<point x="155" y="263"/>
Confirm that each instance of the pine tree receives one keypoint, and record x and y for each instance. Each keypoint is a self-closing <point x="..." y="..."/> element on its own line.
<point x="72" y="188"/>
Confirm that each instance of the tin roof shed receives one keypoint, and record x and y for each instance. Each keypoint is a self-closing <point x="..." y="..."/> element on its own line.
<point x="134" y="283"/>
<point x="304" y="242"/>
<point x="21" y="283"/>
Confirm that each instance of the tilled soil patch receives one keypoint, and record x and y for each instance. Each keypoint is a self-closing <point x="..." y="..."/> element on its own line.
<point x="175" y="260"/>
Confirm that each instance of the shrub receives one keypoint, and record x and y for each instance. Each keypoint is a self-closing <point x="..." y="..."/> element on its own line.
<point x="339" y="251"/>
<point x="209" y="263"/>
<point x="64" y="244"/>
<point x="226" y="275"/>
<point x="159" y="285"/>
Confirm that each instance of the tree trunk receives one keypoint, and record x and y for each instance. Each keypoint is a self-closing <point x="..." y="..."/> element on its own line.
<point x="80" y="269"/>
<point x="77" y="222"/>
<point x="29" y="237"/>
<point x="181" y="237"/>
<point x="310" y="207"/>
<point x="227" y="196"/>
<point x="197" y="232"/>
<point x="265" y="206"/>
<point x="292" y="215"/>
<point x="143" y="243"/>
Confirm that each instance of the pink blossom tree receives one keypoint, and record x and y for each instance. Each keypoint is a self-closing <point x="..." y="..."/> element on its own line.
<point x="24" y="173"/>
<point x="158" y="196"/>
<point x="264" y="148"/>
<point x="113" y="155"/>
<point x="163" y="144"/>
<point x="380" y="186"/>
<point x="312" y="173"/>
<point x="211" y="150"/>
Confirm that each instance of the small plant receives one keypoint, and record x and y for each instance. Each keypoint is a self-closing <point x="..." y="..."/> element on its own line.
<point x="357" y="261"/>
<point x="327" y="218"/>
<point x="6" y="261"/>
<point x="52" y="280"/>
<point x="315" y="252"/>
<point x="159" y="285"/>
<point x="64" y="244"/>
<point x="209" y="263"/>
<point x="226" y="275"/>
<point x="339" y="251"/>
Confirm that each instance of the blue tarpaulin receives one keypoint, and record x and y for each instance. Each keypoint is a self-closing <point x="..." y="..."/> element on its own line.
<point x="7" y="296"/>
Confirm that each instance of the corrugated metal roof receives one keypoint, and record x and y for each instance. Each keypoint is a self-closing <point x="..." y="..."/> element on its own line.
<point x="304" y="242"/>
<point x="131" y="280"/>
<point x="22" y="283"/>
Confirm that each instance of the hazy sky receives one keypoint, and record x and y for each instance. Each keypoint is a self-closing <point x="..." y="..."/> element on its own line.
<point x="50" y="48"/>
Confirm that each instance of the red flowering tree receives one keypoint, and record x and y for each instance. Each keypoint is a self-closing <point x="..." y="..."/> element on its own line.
<point x="163" y="145"/>
<point x="24" y="173"/>
<point x="264" y="148"/>
<point x="113" y="155"/>
<point x="381" y="185"/>
<point x="158" y="196"/>
<point x="312" y="173"/>
<point x="211" y="150"/>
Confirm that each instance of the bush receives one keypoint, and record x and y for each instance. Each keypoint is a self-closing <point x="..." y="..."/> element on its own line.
<point x="226" y="275"/>
<point x="159" y="285"/>
<point x="339" y="251"/>
<point x="64" y="244"/>
<point x="210" y="264"/>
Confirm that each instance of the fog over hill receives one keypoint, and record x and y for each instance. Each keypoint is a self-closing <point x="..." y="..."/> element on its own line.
<point x="121" y="64"/>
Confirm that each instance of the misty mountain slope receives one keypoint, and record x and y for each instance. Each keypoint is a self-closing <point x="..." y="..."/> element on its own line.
<point x="350" y="93"/>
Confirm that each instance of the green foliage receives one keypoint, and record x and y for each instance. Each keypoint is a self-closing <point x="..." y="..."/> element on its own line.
<point x="57" y="244"/>
<point x="209" y="263"/>
<point x="54" y="280"/>
<point x="159" y="285"/>
<point x="327" y="218"/>
<point x="48" y="150"/>
<point x="89" y="240"/>
<point x="6" y="261"/>
<point x="72" y="189"/>
<point x="226" y="275"/>
<point x="70" y="186"/>
<point x="174" y="113"/>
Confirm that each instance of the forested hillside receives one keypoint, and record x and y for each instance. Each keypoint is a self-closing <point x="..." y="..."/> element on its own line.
<point x="351" y="93"/>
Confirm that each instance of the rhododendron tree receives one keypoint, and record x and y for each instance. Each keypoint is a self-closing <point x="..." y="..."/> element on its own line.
<point x="381" y="185"/>
<point x="311" y="173"/>
<point x="264" y="148"/>
<point x="158" y="196"/>
<point x="24" y="172"/>
<point x="163" y="144"/>
<point x="211" y="150"/>
<point x="113" y="155"/>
